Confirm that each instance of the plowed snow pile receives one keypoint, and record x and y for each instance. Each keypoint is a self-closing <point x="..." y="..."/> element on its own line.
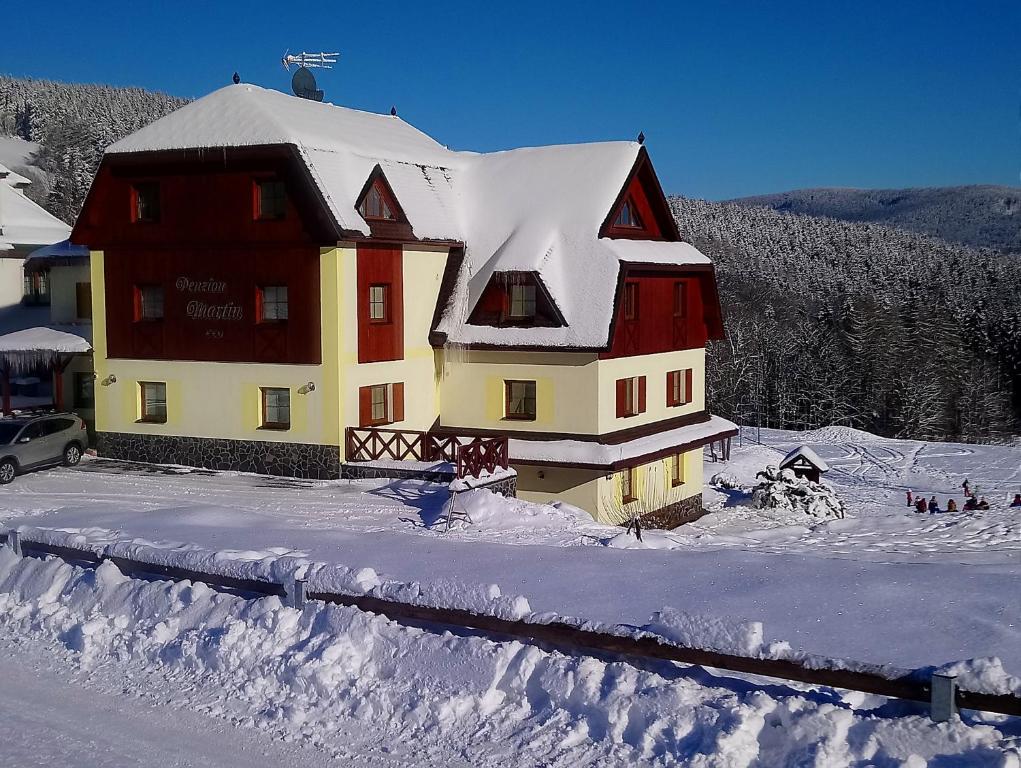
<point x="347" y="681"/>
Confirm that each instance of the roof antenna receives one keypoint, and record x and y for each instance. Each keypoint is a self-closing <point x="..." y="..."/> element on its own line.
<point x="393" y="111"/>
<point x="303" y="84"/>
<point x="641" y="137"/>
<point x="236" y="78"/>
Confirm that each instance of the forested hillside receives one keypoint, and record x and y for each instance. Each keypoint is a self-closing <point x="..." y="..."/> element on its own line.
<point x="73" y="124"/>
<point x="834" y="322"/>
<point x="980" y="216"/>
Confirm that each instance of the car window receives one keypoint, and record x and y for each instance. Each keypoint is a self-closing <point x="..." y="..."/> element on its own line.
<point x="57" y="425"/>
<point x="9" y="431"/>
<point x="32" y="431"/>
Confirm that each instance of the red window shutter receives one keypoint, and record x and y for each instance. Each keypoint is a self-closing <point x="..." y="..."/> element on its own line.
<point x="137" y="300"/>
<point x="365" y="406"/>
<point x="621" y="398"/>
<point x="687" y="386"/>
<point x="670" y="388"/>
<point x="398" y="401"/>
<point x="641" y="394"/>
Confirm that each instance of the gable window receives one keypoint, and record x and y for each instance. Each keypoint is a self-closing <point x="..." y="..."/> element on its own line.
<point x="627" y="216"/>
<point x="630" y="396"/>
<point x="677" y="469"/>
<point x="522" y="300"/>
<point x="270" y="199"/>
<point x="153" y="401"/>
<point x="379" y="303"/>
<point x="272" y="303"/>
<point x="680" y="300"/>
<point x="84" y="390"/>
<point x="276" y="408"/>
<point x="83" y="301"/>
<point x="375" y="205"/>
<point x="678" y="388"/>
<point x="145" y="202"/>
<point x="519" y="400"/>
<point x="148" y="302"/>
<point x="630" y="301"/>
<point x="627" y="485"/>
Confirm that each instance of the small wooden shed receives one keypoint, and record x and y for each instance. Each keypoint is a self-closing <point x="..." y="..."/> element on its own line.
<point x="806" y="463"/>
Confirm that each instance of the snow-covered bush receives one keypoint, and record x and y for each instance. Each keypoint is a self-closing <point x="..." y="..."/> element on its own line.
<point x="782" y="489"/>
<point x="725" y="480"/>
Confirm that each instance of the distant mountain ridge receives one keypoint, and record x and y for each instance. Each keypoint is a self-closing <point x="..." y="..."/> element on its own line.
<point x="986" y="216"/>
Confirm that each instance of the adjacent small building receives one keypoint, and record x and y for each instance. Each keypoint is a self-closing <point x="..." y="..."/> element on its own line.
<point x="806" y="463"/>
<point x="278" y="284"/>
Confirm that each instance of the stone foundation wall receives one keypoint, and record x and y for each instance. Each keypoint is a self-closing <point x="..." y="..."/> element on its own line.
<point x="357" y="471"/>
<point x="304" y="460"/>
<point x="673" y="515"/>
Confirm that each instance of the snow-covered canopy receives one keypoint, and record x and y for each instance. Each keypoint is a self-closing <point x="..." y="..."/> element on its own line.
<point x="12" y="179"/>
<point x="22" y="351"/>
<point x="23" y="223"/>
<point x="534" y="209"/>
<point x="806" y="453"/>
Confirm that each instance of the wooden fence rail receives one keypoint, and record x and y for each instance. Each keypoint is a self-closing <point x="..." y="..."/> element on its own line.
<point x="939" y="691"/>
<point x="469" y="454"/>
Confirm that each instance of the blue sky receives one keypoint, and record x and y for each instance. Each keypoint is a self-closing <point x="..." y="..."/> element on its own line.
<point x="735" y="98"/>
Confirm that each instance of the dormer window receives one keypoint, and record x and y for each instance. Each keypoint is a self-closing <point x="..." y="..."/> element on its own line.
<point x="270" y="199"/>
<point x="145" y="202"/>
<point x="375" y="205"/>
<point x="627" y="216"/>
<point x="522" y="301"/>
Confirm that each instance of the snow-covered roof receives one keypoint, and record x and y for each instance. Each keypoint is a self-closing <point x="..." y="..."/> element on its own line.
<point x="535" y="209"/>
<point x="22" y="222"/>
<point x="12" y="179"/>
<point x="804" y="452"/>
<point x="26" y="349"/>
<point x="600" y="455"/>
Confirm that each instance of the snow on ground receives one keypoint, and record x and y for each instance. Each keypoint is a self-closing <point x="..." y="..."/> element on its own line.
<point x="361" y="690"/>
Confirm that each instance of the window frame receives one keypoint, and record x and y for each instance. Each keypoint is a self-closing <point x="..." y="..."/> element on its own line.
<point x="523" y="302"/>
<point x="630" y="301"/>
<point x="386" y="204"/>
<point x="631" y="404"/>
<point x="139" y="190"/>
<point x="385" y="318"/>
<point x="263" y="303"/>
<point x="258" y="199"/>
<point x="680" y="299"/>
<point x="634" y="220"/>
<point x="145" y="416"/>
<point x="266" y="422"/>
<point x="140" y="303"/>
<point x="627" y="485"/>
<point x="508" y="388"/>
<point x="387" y="403"/>
<point x="677" y="470"/>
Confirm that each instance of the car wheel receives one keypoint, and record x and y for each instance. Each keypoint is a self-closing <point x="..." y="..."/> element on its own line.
<point x="8" y="471"/>
<point x="72" y="455"/>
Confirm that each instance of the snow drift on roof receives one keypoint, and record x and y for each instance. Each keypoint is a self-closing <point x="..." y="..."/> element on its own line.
<point x="22" y="222"/>
<point x="804" y="452"/>
<point x="43" y="340"/>
<point x="533" y="209"/>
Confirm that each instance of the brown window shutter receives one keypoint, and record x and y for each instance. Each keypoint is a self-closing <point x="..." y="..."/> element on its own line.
<point x="687" y="386"/>
<point x="670" y="388"/>
<point x="137" y="300"/>
<point x="398" y="401"/>
<point x="364" y="406"/>
<point x="641" y="394"/>
<point x="621" y="398"/>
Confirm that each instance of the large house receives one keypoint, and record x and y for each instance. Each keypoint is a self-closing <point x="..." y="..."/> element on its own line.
<point x="275" y="277"/>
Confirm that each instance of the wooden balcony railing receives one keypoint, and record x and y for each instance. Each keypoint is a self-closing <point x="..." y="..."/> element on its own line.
<point x="471" y="455"/>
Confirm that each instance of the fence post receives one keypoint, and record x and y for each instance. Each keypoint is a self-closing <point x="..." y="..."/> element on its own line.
<point x="295" y="589"/>
<point x="944" y="693"/>
<point x="14" y="541"/>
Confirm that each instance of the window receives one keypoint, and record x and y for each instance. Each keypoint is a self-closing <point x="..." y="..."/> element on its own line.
<point x="630" y="396"/>
<point x="627" y="485"/>
<point x="627" y="216"/>
<point x="272" y="301"/>
<point x="519" y="400"/>
<point x="677" y="469"/>
<point x="276" y="408"/>
<point x="84" y="390"/>
<point x="678" y="388"/>
<point x="148" y="302"/>
<point x="630" y="301"/>
<point x="379" y="303"/>
<point x="522" y="300"/>
<point x="680" y="300"/>
<point x="83" y="301"/>
<point x="145" y="205"/>
<point x="380" y="404"/>
<point x="154" y="401"/>
<point x="374" y="206"/>
<point x="37" y="288"/>
<point x="270" y="199"/>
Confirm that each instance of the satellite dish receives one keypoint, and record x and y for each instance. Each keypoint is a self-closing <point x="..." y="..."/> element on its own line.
<point x="304" y="85"/>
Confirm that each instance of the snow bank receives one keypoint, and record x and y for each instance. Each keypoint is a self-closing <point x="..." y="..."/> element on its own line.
<point x="309" y="674"/>
<point x="712" y="633"/>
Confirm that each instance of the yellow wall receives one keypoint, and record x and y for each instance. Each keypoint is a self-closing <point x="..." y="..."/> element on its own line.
<point x="654" y="368"/>
<point x="63" y="292"/>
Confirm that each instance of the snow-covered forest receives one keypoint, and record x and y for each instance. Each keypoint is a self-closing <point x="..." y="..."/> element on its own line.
<point x="73" y="124"/>
<point x="828" y="322"/>
<point x="834" y="322"/>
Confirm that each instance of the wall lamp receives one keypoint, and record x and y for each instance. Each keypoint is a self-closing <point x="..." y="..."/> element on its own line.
<point x="306" y="388"/>
<point x="111" y="379"/>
